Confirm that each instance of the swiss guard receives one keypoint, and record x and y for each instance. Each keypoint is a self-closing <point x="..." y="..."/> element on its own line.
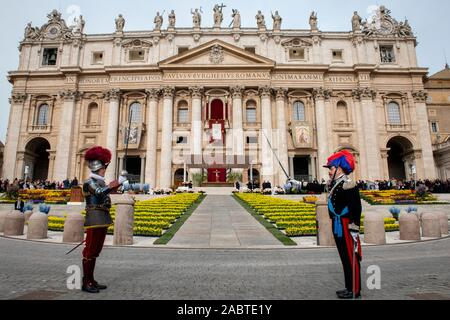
<point x="344" y="207"/>
<point x="98" y="218"/>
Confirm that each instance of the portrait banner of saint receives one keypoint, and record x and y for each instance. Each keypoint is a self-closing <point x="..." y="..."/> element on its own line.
<point x="302" y="136"/>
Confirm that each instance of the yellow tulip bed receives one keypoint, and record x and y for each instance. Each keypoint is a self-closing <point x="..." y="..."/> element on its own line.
<point x="151" y="217"/>
<point x="296" y="218"/>
<point x="387" y="197"/>
<point x="47" y="196"/>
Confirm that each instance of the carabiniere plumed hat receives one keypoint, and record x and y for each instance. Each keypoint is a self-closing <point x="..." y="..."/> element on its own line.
<point x="342" y="159"/>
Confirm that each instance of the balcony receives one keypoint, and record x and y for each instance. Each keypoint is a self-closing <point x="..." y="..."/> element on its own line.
<point x="398" y="127"/>
<point x="252" y="124"/>
<point x="343" y="126"/>
<point x="91" y="128"/>
<point x="40" y="129"/>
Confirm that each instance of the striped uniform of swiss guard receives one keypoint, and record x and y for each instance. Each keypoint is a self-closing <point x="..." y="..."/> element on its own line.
<point x="344" y="207"/>
<point x="98" y="218"/>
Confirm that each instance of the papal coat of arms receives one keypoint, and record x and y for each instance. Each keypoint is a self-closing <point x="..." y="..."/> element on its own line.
<point x="216" y="55"/>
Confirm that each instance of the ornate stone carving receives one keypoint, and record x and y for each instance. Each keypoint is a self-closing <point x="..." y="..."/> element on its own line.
<point x="364" y="93"/>
<point x="70" y="95"/>
<point x="136" y="44"/>
<point x="236" y="19"/>
<point x="265" y="91"/>
<point x="196" y="37"/>
<point x="196" y="18"/>
<point x="80" y="23"/>
<point x="260" y="21"/>
<point x="196" y="92"/>
<point x="153" y="93"/>
<point x="236" y="37"/>
<point x="317" y="41"/>
<point x="55" y="29"/>
<point x="158" y="21"/>
<point x="313" y="21"/>
<point x="218" y="15"/>
<point x="358" y="40"/>
<point x="277" y="20"/>
<point x="18" y="97"/>
<point x="281" y="93"/>
<point x="263" y="37"/>
<point x="113" y="94"/>
<point x="237" y="91"/>
<point x="216" y="55"/>
<point x="296" y="42"/>
<point x="321" y="93"/>
<point x="356" y="22"/>
<point x="172" y="19"/>
<point x="420" y="96"/>
<point x="120" y="23"/>
<point x="168" y="92"/>
<point x="383" y="25"/>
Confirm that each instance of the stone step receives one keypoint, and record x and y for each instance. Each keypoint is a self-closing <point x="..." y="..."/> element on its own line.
<point x="217" y="190"/>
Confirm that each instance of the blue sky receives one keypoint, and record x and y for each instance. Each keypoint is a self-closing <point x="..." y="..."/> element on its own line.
<point x="429" y="20"/>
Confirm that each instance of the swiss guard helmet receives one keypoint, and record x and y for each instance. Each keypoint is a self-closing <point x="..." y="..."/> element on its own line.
<point x="97" y="158"/>
<point x="342" y="159"/>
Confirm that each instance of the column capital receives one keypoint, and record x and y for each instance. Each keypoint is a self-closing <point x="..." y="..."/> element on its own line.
<point x="265" y="91"/>
<point x="153" y="93"/>
<point x="18" y="97"/>
<point x="321" y="93"/>
<point x="168" y="92"/>
<point x="196" y="92"/>
<point x="364" y="93"/>
<point x="281" y="93"/>
<point x="237" y="91"/>
<point x="113" y="94"/>
<point x="420" y="96"/>
<point x="70" y="95"/>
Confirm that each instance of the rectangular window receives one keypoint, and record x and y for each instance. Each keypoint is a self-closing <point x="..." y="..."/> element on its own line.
<point x="97" y="58"/>
<point x="434" y="127"/>
<point x="50" y="57"/>
<point x="250" y="49"/>
<point x="137" y="55"/>
<point x="183" y="115"/>
<point x="251" y="115"/>
<point x="297" y="54"/>
<point x="337" y="55"/>
<point x="252" y="140"/>
<point x="182" y="50"/>
<point x="387" y="54"/>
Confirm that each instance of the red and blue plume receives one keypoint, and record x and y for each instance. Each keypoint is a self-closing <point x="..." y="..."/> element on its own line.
<point x="344" y="160"/>
<point x="98" y="153"/>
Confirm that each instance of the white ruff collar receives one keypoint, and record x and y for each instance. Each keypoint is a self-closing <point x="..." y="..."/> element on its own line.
<point x="96" y="176"/>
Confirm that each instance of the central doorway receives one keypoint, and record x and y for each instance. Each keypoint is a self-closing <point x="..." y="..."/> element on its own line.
<point x="133" y="166"/>
<point x="301" y="168"/>
<point x="217" y="175"/>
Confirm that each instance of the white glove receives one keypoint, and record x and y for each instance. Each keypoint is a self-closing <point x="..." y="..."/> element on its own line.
<point x="294" y="182"/>
<point x="122" y="180"/>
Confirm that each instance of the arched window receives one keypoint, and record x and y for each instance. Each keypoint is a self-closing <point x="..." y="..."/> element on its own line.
<point x="42" y="119"/>
<point x="136" y="112"/>
<point x="183" y="112"/>
<point x="342" y="112"/>
<point x="394" y="116"/>
<point x="92" y="116"/>
<point x="251" y="111"/>
<point x="299" y="111"/>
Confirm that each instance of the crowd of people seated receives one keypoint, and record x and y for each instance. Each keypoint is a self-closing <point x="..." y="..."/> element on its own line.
<point x="21" y="184"/>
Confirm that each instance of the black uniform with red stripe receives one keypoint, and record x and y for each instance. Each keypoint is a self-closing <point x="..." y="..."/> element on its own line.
<point x="344" y="207"/>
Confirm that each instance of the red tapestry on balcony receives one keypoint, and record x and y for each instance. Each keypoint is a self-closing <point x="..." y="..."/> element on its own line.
<point x="217" y="175"/>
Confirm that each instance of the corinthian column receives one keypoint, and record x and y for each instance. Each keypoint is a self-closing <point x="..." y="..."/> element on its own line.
<point x="238" y="131"/>
<point x="113" y="96"/>
<point x="267" y="171"/>
<point x="282" y="135"/>
<point x="429" y="167"/>
<point x="196" y="124"/>
<point x="321" y="129"/>
<point x="166" y="139"/>
<point x="64" y="144"/>
<point x="17" y="101"/>
<point x="360" y="131"/>
<point x="152" y="136"/>
<point x="370" y="128"/>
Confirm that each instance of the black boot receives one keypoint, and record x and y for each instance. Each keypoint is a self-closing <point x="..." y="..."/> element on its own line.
<point x="96" y="284"/>
<point x="348" y="295"/>
<point x="88" y="276"/>
<point x="341" y="291"/>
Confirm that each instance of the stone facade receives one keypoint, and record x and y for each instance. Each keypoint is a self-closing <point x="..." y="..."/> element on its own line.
<point x="2" y="150"/>
<point x="438" y="105"/>
<point x="219" y="100"/>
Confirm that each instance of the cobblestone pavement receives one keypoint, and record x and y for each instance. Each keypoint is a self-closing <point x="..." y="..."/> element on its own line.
<point x="408" y="271"/>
